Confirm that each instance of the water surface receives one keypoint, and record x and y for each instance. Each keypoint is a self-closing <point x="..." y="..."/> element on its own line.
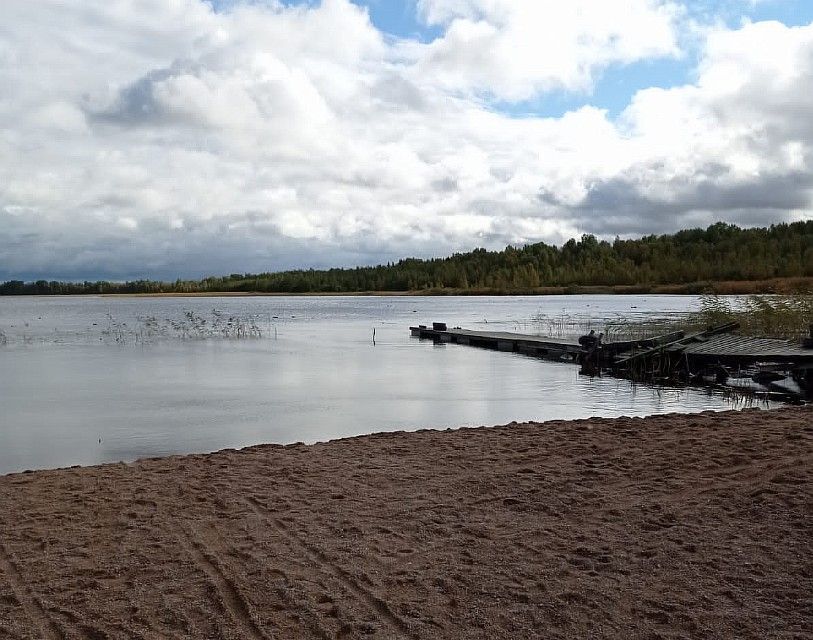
<point x="85" y="380"/>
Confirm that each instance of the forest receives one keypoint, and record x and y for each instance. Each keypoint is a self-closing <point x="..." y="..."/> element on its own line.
<point x="722" y="252"/>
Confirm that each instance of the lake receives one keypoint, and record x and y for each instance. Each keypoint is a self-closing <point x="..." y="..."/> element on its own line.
<point x="85" y="380"/>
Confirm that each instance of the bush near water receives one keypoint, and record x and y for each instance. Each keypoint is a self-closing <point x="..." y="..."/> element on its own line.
<point x="719" y="258"/>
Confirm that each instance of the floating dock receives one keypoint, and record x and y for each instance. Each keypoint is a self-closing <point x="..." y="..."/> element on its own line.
<point x="502" y="341"/>
<point x="741" y="350"/>
<point x="675" y="356"/>
<point x="541" y="346"/>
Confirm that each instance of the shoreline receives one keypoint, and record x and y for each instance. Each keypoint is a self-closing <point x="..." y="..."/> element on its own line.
<point x="795" y="285"/>
<point x="405" y="432"/>
<point x="679" y="525"/>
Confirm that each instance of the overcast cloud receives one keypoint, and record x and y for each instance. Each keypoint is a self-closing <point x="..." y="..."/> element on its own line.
<point x="159" y="138"/>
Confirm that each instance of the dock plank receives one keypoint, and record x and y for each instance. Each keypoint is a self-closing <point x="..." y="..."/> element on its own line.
<point x="516" y="337"/>
<point x="747" y="347"/>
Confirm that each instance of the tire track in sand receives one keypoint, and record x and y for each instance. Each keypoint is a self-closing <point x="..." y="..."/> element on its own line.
<point x="33" y="609"/>
<point x="213" y="541"/>
<point x="317" y="557"/>
<point x="233" y="602"/>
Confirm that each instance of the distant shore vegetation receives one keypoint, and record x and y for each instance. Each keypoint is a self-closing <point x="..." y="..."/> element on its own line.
<point x="721" y="259"/>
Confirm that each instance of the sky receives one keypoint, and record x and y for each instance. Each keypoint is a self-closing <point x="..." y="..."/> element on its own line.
<point x="183" y="138"/>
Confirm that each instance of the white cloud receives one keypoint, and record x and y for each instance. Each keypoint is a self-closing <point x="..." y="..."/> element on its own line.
<point x="738" y="142"/>
<point x="512" y="49"/>
<point x="159" y="138"/>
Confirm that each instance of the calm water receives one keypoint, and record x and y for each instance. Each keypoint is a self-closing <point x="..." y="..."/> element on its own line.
<point x="85" y="380"/>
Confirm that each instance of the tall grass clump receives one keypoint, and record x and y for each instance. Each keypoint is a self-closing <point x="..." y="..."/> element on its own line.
<point x="787" y="316"/>
<point x="621" y="330"/>
<point x="195" y="326"/>
<point x="614" y="329"/>
<point x="190" y="326"/>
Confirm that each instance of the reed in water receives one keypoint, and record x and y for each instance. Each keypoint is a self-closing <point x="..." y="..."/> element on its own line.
<point x="787" y="316"/>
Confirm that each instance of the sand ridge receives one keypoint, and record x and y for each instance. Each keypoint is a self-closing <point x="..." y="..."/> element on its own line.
<point x="677" y="526"/>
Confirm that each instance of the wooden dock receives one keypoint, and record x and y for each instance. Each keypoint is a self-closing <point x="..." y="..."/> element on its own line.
<point x="533" y="345"/>
<point x="675" y="356"/>
<point x="742" y="349"/>
<point x="719" y="346"/>
<point x="504" y="341"/>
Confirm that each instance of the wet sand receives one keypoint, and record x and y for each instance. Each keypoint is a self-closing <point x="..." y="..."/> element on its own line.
<point x="679" y="526"/>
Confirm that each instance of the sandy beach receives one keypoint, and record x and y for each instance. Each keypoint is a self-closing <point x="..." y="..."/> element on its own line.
<point x="678" y="526"/>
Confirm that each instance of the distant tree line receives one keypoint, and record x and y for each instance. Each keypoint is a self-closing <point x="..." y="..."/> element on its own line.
<point x="721" y="252"/>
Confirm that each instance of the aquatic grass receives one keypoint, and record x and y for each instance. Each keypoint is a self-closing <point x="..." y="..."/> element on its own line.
<point x="555" y="327"/>
<point x="195" y="326"/>
<point x="775" y="316"/>
<point x="625" y="329"/>
<point x="116" y="330"/>
<point x="145" y="329"/>
<point x="615" y="330"/>
<point x="190" y="326"/>
<point x="771" y="316"/>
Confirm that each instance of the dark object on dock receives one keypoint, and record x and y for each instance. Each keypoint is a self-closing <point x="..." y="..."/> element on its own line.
<point x="590" y="341"/>
<point x="439" y="326"/>
<point x="807" y="343"/>
<point x="592" y="353"/>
